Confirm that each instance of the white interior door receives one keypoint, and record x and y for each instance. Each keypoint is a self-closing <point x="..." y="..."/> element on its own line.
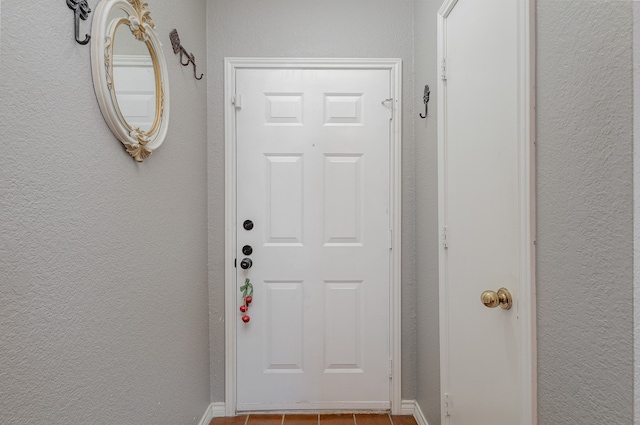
<point x="313" y="177"/>
<point x="484" y="159"/>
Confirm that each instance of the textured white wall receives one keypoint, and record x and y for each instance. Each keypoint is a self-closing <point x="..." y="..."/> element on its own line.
<point x="88" y="335"/>
<point x="426" y="226"/>
<point x="636" y="197"/>
<point x="307" y="28"/>
<point x="103" y="262"/>
<point x="585" y="212"/>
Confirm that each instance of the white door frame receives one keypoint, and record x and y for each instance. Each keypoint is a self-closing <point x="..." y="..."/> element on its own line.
<point x="526" y="194"/>
<point x="395" y="201"/>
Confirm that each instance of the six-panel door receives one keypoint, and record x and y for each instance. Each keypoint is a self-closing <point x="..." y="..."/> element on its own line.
<point x="313" y="176"/>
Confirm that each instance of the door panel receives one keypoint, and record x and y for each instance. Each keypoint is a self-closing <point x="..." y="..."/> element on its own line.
<point x="482" y="212"/>
<point x="313" y="175"/>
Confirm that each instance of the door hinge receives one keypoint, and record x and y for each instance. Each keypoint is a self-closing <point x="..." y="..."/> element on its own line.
<point x="446" y="404"/>
<point x="445" y="237"/>
<point x="390" y="369"/>
<point x="237" y="101"/>
<point x="390" y="239"/>
<point x="443" y="70"/>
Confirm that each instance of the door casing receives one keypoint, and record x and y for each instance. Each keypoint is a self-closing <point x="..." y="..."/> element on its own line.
<point x="526" y="201"/>
<point x="395" y="157"/>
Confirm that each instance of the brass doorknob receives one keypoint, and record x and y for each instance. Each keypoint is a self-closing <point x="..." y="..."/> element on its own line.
<point x="493" y="299"/>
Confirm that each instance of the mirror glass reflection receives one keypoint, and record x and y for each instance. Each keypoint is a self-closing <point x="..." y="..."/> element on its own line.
<point x="133" y="77"/>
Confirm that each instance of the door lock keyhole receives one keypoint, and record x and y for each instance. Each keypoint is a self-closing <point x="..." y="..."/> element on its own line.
<point x="247" y="250"/>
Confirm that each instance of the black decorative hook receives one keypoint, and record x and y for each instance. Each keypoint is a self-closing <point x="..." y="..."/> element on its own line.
<point x="81" y="10"/>
<point x="425" y="98"/>
<point x="177" y="48"/>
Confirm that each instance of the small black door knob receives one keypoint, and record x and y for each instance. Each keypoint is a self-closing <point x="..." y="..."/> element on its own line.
<point x="246" y="263"/>
<point x="247" y="250"/>
<point x="248" y="225"/>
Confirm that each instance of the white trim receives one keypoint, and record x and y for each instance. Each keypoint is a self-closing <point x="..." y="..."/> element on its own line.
<point x="395" y="68"/>
<point x="446" y="8"/>
<point x="411" y="407"/>
<point x="443" y="289"/>
<point x="636" y="206"/>
<point x="215" y="410"/>
<point x="230" y="240"/>
<point x="527" y="190"/>
<point x="218" y="410"/>
<point x="132" y="60"/>
<point x="208" y="416"/>
<point x="396" y="226"/>
<point x="324" y="407"/>
<point x="420" y="416"/>
<point x="408" y="407"/>
<point x="526" y="117"/>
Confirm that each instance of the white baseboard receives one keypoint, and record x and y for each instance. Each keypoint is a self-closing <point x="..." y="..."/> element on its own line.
<point x="208" y="416"/>
<point x="411" y="407"/>
<point x="408" y="407"/>
<point x="218" y="410"/>
<point x="215" y="410"/>
<point x="420" y="416"/>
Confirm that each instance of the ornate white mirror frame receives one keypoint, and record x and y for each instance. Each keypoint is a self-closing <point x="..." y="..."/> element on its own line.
<point x="139" y="143"/>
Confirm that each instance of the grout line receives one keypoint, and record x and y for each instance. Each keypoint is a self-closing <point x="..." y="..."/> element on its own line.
<point x="355" y="417"/>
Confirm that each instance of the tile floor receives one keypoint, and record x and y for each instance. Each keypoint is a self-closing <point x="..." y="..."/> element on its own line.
<point x="341" y="419"/>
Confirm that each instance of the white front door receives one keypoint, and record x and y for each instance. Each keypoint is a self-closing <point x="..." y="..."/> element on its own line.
<point x="485" y="215"/>
<point x="313" y="178"/>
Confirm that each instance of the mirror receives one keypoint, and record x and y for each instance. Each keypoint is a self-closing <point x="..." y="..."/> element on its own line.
<point x="134" y="81"/>
<point x="130" y="75"/>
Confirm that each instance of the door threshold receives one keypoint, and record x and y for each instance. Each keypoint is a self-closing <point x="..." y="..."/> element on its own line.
<point x="314" y="412"/>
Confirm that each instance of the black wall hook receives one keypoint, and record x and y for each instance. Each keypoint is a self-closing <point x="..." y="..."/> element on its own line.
<point x="81" y="10"/>
<point x="425" y="98"/>
<point x="177" y="48"/>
